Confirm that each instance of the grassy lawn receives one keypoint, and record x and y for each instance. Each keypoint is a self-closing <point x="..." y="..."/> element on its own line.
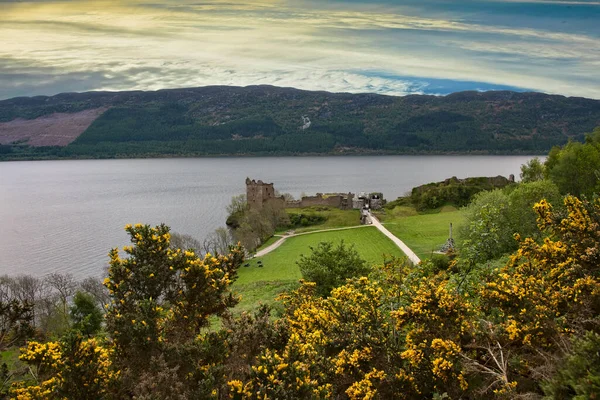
<point x="336" y="218"/>
<point x="280" y="273"/>
<point x="424" y="233"/>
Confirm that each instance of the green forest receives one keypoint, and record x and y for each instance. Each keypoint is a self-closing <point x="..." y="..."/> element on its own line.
<point x="265" y="120"/>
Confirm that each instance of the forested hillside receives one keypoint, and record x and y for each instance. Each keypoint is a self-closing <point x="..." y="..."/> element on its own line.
<point x="265" y="120"/>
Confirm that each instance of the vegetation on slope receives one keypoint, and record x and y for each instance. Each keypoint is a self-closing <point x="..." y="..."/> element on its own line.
<point x="264" y="120"/>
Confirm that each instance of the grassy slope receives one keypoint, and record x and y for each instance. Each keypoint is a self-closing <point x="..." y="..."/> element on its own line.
<point x="424" y="233"/>
<point x="280" y="272"/>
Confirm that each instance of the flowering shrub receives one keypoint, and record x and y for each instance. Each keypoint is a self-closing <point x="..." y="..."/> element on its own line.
<point x="71" y="369"/>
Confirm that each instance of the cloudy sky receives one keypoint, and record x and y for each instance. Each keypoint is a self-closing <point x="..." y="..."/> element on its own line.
<point x="391" y="47"/>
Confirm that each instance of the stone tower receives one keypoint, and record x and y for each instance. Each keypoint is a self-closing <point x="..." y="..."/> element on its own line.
<point x="258" y="193"/>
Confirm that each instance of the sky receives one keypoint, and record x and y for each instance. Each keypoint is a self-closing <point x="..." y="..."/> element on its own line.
<point x="394" y="47"/>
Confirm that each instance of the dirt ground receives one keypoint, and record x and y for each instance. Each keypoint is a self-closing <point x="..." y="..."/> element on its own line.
<point x="57" y="129"/>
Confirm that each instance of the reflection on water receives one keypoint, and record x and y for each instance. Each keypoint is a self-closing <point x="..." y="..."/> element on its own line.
<point x="65" y="216"/>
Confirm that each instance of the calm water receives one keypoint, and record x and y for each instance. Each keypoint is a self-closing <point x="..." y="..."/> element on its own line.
<point x="66" y="215"/>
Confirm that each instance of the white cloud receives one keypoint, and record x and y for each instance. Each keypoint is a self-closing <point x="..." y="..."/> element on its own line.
<point x="179" y="44"/>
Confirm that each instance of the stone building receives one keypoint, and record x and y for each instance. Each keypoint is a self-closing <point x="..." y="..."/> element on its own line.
<point x="259" y="193"/>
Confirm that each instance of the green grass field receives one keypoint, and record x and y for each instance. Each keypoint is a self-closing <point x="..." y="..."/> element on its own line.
<point x="280" y="271"/>
<point x="424" y="233"/>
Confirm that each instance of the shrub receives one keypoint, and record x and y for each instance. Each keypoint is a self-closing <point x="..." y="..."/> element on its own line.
<point x="329" y="266"/>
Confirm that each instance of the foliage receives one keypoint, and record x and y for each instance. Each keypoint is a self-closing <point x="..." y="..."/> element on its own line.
<point x="575" y="168"/>
<point x="453" y="191"/>
<point x="308" y="219"/>
<point x="493" y="218"/>
<point x="548" y="291"/>
<point x="578" y="374"/>
<point x="267" y="121"/>
<point x="252" y="227"/>
<point x="329" y="266"/>
<point x="520" y="330"/>
<point x="86" y="315"/>
<point x="238" y="205"/>
<point x="322" y="217"/>
<point x="16" y="320"/>
<point x="522" y="198"/>
<point x="74" y="368"/>
<point x="487" y="233"/>
<point x="532" y="171"/>
<point x="162" y="297"/>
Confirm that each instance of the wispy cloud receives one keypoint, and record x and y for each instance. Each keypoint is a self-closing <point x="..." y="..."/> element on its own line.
<point x="87" y="45"/>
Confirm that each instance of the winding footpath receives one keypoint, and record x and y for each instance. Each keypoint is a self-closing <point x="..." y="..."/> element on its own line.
<point x="374" y="222"/>
<point x="405" y="249"/>
<point x="278" y="243"/>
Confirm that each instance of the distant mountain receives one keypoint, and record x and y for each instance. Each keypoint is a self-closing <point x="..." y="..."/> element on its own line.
<point x="266" y="120"/>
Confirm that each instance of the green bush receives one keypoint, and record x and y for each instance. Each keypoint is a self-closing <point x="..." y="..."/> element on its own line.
<point x="329" y="266"/>
<point x="578" y="376"/>
<point x="302" y="219"/>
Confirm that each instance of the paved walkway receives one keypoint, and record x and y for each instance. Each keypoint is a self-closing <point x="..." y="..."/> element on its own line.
<point x="278" y="243"/>
<point x="374" y="221"/>
<point x="409" y="253"/>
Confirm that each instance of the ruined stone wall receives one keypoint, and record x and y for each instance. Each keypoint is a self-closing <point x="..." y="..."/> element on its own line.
<point x="319" y="200"/>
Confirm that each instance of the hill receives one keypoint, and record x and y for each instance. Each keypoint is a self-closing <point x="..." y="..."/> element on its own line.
<point x="266" y="120"/>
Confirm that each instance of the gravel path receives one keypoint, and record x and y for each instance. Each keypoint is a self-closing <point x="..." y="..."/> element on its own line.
<point x="374" y="221"/>
<point x="278" y="243"/>
<point x="409" y="253"/>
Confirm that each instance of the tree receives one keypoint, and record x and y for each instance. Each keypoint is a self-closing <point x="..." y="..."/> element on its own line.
<point x="218" y="242"/>
<point x="532" y="171"/>
<point x="26" y="288"/>
<point x="95" y="288"/>
<point x="15" y="322"/>
<point x="329" y="266"/>
<point x="487" y="231"/>
<point x="575" y="168"/>
<point x="161" y="300"/>
<point x="238" y="204"/>
<point x="63" y="287"/>
<point x="85" y="314"/>
<point x="184" y="242"/>
<point x="521" y="215"/>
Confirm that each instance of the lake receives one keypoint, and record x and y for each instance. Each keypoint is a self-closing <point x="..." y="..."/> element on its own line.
<point x="65" y="216"/>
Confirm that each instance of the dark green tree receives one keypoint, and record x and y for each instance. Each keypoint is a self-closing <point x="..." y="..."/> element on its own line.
<point x="85" y="314"/>
<point x="532" y="171"/>
<point x="575" y="168"/>
<point x="329" y="266"/>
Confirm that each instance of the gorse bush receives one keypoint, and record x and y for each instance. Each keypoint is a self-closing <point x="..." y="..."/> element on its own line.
<point x="524" y="329"/>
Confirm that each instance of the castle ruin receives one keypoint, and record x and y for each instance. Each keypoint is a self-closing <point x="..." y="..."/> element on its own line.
<point x="258" y="194"/>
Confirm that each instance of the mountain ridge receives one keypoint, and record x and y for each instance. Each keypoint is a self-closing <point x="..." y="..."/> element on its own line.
<point x="270" y="120"/>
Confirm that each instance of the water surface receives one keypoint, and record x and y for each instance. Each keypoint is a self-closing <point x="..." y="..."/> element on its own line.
<point x="65" y="216"/>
